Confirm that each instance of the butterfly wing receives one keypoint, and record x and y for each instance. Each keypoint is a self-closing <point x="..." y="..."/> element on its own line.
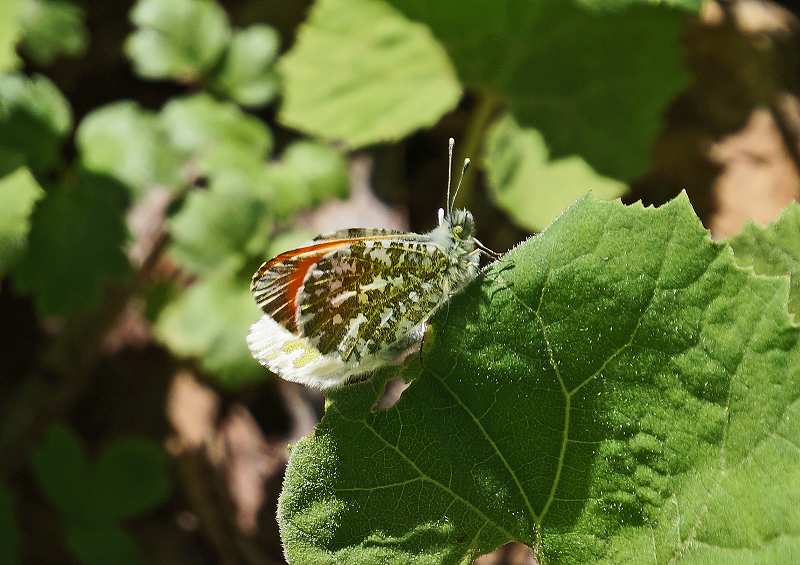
<point x="336" y="307"/>
<point x="358" y="233"/>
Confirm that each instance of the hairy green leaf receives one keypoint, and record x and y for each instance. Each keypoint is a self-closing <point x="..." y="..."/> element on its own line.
<point x="222" y="227"/>
<point x="9" y="535"/>
<point x="614" y="390"/>
<point x="34" y="118"/>
<point x="181" y="39"/>
<point x="205" y="128"/>
<point x="75" y="245"/>
<point x="51" y="28"/>
<point x="19" y="192"/>
<point x="126" y="142"/>
<point x="528" y="185"/>
<point x="362" y="73"/>
<point x="210" y="321"/>
<point x="247" y="74"/>
<point x="774" y="250"/>
<point x="594" y="76"/>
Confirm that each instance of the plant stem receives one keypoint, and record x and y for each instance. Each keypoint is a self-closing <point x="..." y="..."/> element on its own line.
<point x="487" y="107"/>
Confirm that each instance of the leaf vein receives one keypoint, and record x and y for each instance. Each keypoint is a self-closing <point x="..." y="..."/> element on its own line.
<point x="426" y="477"/>
<point x="491" y="441"/>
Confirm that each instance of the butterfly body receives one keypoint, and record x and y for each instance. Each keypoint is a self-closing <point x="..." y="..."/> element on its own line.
<point x="354" y="300"/>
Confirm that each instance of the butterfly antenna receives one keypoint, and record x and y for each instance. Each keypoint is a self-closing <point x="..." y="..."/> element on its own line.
<point x="451" y="144"/>
<point x="460" y="178"/>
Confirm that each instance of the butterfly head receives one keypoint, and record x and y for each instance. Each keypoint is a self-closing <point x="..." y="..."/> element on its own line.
<point x="461" y="225"/>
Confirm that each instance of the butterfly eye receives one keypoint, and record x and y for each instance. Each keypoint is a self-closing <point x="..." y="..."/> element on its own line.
<point x="458" y="230"/>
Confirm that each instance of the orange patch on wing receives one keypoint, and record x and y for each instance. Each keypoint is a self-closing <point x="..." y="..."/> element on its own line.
<point x="302" y="260"/>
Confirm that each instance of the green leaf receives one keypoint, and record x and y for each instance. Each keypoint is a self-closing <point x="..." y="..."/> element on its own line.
<point x="181" y="39"/>
<point x="19" y="192"/>
<point x="528" y="185"/>
<point x="206" y="128"/>
<point x="307" y="174"/>
<point x="62" y="470"/>
<point x="288" y="240"/>
<point x="34" y="118"/>
<point x="222" y="227"/>
<point x="9" y="535"/>
<point x="75" y="245"/>
<point x="10" y="30"/>
<point x="126" y="142"/>
<point x="321" y="168"/>
<point x="247" y="74"/>
<point x="51" y="28"/>
<point x="100" y="544"/>
<point x="774" y="250"/>
<point x="210" y="321"/>
<point x="594" y="77"/>
<point x="614" y="390"/>
<point x="362" y="73"/>
<point x="130" y="477"/>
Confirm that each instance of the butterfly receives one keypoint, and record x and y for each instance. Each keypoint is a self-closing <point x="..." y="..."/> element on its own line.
<point x="355" y="300"/>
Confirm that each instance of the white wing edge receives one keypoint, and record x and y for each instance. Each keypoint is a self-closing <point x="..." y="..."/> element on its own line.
<point x="295" y="358"/>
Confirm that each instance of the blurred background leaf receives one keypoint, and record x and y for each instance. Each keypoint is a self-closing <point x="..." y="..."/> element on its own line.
<point x="76" y="245"/>
<point x="19" y="192"/>
<point x="9" y="536"/>
<point x="222" y="227"/>
<point x="128" y="143"/>
<point x="51" y="28"/>
<point x="595" y="85"/>
<point x="210" y="322"/>
<point x="100" y="544"/>
<point x="530" y="187"/>
<point x="308" y="174"/>
<point x="362" y="73"/>
<point x="129" y="478"/>
<point x="62" y="472"/>
<point x="178" y="39"/>
<point x="247" y="74"/>
<point x="9" y="32"/>
<point x="34" y="118"/>
<point x="203" y="128"/>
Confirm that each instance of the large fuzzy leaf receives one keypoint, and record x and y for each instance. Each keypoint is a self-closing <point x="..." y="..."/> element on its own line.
<point x="614" y="390"/>
<point x="774" y="250"/>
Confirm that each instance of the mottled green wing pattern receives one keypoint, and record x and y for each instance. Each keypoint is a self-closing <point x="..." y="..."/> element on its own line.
<point x="350" y="233"/>
<point x="364" y="297"/>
